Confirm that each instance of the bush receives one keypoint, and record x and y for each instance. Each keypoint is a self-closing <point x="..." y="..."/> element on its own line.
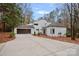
<point x="68" y="34"/>
<point x="12" y="34"/>
<point x="59" y="33"/>
<point x="39" y="33"/>
<point x="34" y="33"/>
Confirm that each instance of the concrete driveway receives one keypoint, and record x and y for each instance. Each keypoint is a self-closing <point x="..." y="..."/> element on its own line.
<point x="28" y="45"/>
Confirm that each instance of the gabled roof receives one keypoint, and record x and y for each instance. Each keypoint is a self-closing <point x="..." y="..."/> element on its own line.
<point x="25" y="27"/>
<point x="56" y="25"/>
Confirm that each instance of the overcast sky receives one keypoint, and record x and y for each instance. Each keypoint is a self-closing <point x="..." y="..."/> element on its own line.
<point x="39" y="9"/>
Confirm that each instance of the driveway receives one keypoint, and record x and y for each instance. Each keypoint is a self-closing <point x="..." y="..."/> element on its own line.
<point x="28" y="45"/>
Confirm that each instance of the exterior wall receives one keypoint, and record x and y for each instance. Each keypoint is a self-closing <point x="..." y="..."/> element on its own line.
<point x="15" y="30"/>
<point x="36" y="31"/>
<point x="41" y="24"/>
<point x="58" y="30"/>
<point x="32" y="31"/>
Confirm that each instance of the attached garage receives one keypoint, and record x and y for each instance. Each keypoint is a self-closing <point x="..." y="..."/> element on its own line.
<point x="24" y="29"/>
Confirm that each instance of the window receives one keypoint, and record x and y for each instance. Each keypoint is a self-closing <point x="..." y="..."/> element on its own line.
<point x="37" y="29"/>
<point x="52" y="31"/>
<point x="35" y="24"/>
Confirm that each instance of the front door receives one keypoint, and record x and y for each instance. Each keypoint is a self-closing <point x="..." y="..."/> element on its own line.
<point x="44" y="31"/>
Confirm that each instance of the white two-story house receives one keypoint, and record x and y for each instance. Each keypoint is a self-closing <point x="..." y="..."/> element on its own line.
<point x="42" y="27"/>
<point x="38" y="27"/>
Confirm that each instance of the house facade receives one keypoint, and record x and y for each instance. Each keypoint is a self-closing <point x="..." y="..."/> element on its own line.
<point x="42" y="27"/>
<point x="39" y="27"/>
<point x="49" y="29"/>
<point x="56" y="29"/>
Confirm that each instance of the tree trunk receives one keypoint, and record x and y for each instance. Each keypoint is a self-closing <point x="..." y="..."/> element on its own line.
<point x="72" y="26"/>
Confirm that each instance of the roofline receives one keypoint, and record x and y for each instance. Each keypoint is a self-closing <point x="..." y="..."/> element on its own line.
<point x="23" y="28"/>
<point x="55" y="26"/>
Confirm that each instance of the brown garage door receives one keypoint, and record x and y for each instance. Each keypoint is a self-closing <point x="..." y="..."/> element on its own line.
<point x="23" y="31"/>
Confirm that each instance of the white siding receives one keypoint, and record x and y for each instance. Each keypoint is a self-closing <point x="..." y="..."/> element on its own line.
<point x="41" y="24"/>
<point x="61" y="30"/>
<point x="15" y="30"/>
<point x="32" y="31"/>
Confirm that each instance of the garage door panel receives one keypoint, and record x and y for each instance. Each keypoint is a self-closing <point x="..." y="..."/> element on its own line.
<point x="23" y="31"/>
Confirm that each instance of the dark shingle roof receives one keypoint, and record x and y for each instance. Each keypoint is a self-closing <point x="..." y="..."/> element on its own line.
<point x="25" y="27"/>
<point x="56" y="25"/>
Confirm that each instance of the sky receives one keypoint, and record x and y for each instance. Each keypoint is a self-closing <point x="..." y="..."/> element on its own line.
<point x="39" y="9"/>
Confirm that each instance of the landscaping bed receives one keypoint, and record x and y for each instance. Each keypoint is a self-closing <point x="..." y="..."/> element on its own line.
<point x="5" y="36"/>
<point x="65" y="39"/>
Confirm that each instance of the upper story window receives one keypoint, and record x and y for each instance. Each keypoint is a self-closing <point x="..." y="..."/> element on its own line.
<point x="35" y="24"/>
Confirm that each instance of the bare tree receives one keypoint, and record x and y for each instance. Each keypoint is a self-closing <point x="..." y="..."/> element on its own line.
<point x="27" y="12"/>
<point x="73" y="10"/>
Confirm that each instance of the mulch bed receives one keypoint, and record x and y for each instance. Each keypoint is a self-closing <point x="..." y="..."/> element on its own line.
<point x="64" y="39"/>
<point x="5" y="36"/>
